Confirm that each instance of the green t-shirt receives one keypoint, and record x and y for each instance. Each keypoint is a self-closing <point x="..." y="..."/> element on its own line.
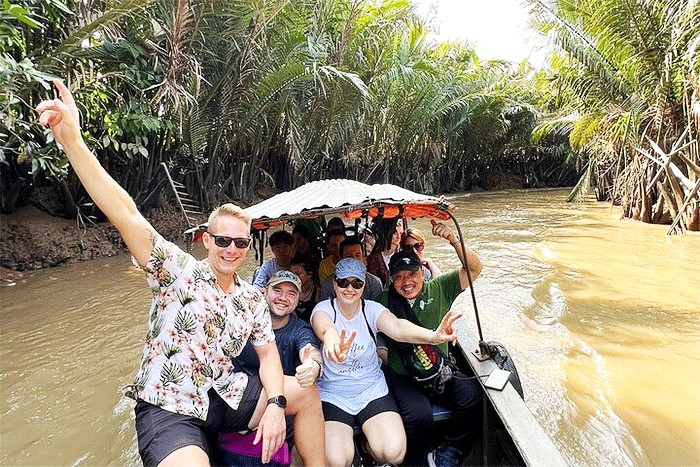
<point x="430" y="307"/>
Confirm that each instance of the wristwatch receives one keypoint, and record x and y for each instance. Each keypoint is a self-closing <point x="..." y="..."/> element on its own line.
<point x="279" y="401"/>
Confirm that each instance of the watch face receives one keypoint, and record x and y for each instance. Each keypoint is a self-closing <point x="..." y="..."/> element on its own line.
<point x="280" y="401"/>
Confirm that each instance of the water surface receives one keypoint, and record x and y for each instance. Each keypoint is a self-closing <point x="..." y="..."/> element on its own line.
<point x="600" y="315"/>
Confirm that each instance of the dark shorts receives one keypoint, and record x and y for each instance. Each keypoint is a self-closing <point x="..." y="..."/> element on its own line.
<point x="332" y="413"/>
<point x="161" y="432"/>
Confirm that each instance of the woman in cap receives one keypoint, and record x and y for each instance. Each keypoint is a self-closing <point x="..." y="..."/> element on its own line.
<point x="352" y="388"/>
<point x="414" y="240"/>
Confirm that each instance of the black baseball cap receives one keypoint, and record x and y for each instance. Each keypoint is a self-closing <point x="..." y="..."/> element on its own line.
<point x="404" y="261"/>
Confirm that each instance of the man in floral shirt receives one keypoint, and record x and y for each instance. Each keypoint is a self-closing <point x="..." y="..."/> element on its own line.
<point x="202" y="314"/>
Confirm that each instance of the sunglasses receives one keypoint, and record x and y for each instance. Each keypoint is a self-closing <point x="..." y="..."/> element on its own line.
<point x="415" y="246"/>
<point x="222" y="241"/>
<point x="344" y="283"/>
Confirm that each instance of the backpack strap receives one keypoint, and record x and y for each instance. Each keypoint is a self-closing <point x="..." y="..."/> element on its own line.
<point x="335" y="313"/>
<point x="369" y="328"/>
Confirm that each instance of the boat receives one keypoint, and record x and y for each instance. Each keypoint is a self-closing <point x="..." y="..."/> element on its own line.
<point x="511" y="435"/>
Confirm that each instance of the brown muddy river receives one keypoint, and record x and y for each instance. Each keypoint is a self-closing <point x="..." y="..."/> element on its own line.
<point x="601" y="315"/>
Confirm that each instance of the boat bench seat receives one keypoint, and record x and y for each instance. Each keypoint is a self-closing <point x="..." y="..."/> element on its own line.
<point x="439" y="414"/>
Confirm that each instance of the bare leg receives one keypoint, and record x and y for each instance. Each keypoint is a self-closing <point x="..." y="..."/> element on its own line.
<point x="186" y="456"/>
<point x="340" y="447"/>
<point x="386" y="437"/>
<point x="305" y="405"/>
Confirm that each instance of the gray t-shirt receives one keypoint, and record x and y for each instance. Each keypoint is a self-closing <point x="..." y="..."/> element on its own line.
<point x="359" y="380"/>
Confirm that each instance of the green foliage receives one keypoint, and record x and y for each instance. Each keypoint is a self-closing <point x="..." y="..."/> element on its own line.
<point x="229" y="93"/>
<point x="624" y="69"/>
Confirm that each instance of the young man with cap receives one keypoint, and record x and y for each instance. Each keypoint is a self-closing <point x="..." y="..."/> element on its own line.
<point x="430" y="301"/>
<point x="296" y="342"/>
<point x="353" y="388"/>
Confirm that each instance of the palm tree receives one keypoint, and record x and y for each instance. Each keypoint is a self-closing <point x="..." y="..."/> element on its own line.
<point x="628" y="69"/>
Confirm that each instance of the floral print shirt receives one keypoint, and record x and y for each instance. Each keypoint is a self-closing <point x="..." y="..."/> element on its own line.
<point x="194" y="330"/>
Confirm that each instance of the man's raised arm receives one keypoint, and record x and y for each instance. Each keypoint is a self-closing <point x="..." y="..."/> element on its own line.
<point x="63" y="118"/>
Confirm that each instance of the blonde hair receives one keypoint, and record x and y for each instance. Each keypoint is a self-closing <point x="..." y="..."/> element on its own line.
<point x="229" y="209"/>
<point x="415" y="233"/>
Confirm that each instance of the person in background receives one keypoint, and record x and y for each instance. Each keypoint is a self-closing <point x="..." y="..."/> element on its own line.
<point x="310" y="289"/>
<point x="335" y="223"/>
<point x="301" y="246"/>
<point x="297" y="345"/>
<point x="281" y="245"/>
<point x="351" y="247"/>
<point x="414" y="240"/>
<point x="327" y="266"/>
<point x="388" y="234"/>
<point x="353" y="389"/>
<point x="202" y="313"/>
<point x="368" y="239"/>
<point x="430" y="301"/>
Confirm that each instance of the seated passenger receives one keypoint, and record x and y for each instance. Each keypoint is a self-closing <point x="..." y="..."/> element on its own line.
<point x="352" y="388"/>
<point x="414" y="240"/>
<point x="327" y="266"/>
<point x="410" y="295"/>
<point x="310" y="289"/>
<point x="297" y="345"/>
<point x="301" y="245"/>
<point x="388" y="240"/>
<point x="335" y="223"/>
<point x="351" y="247"/>
<point x="281" y="245"/>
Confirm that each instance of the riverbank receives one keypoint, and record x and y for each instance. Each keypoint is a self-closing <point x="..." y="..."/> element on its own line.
<point x="32" y="239"/>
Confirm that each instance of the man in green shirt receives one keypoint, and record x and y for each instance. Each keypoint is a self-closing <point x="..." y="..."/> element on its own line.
<point x="430" y="301"/>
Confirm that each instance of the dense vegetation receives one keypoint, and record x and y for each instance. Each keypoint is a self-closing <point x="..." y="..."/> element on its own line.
<point x="627" y="75"/>
<point x="232" y="95"/>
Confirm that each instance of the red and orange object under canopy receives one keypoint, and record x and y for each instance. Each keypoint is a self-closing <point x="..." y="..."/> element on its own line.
<point x="346" y="198"/>
<point x="349" y="199"/>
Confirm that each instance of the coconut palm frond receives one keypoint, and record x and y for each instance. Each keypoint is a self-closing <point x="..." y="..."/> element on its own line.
<point x="582" y="186"/>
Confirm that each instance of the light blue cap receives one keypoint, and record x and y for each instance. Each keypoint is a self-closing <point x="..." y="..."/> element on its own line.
<point x="350" y="267"/>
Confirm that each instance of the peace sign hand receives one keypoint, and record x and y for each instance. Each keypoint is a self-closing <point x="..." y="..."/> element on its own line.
<point x="446" y="331"/>
<point x="337" y="351"/>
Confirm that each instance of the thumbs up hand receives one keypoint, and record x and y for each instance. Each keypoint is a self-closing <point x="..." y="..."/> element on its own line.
<point x="310" y="368"/>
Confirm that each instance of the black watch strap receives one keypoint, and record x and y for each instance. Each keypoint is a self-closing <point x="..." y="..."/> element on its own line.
<point x="279" y="401"/>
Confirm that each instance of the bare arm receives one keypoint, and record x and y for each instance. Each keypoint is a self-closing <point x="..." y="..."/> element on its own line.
<point x="63" y="118"/>
<point x="432" y="267"/>
<point x="402" y="330"/>
<point x="465" y="257"/>
<point x="272" y="426"/>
